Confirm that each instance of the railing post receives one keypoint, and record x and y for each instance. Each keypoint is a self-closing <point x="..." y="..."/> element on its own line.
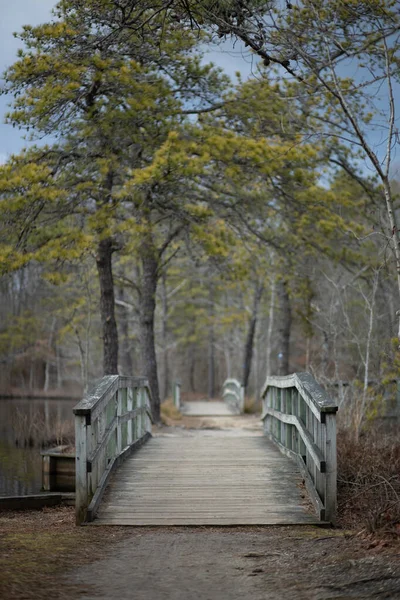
<point x="81" y="492"/>
<point x="331" y="467"/>
<point x="177" y="395"/>
<point x="119" y="429"/>
<point x="139" y="404"/>
<point x="101" y="424"/>
<point x="242" y="398"/>
<point x="129" y="407"/>
<point x="148" y="405"/>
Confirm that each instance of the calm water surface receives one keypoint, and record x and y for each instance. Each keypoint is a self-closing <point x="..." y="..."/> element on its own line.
<point x="26" y="425"/>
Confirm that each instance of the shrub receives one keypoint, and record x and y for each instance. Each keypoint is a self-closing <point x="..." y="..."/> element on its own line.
<point x="369" y="481"/>
<point x="169" y="412"/>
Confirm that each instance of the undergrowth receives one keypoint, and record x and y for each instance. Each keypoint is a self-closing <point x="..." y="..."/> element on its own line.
<point x="169" y="412"/>
<point x="369" y="482"/>
<point x="251" y="406"/>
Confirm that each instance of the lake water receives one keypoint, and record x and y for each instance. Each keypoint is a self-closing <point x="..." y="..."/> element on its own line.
<point x="26" y="426"/>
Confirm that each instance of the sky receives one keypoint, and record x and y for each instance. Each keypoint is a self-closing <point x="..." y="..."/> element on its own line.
<point x="13" y="15"/>
<point x="16" y="13"/>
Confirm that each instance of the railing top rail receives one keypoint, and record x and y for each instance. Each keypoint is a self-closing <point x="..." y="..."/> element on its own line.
<point x="232" y="380"/>
<point x="307" y="387"/>
<point x="104" y="389"/>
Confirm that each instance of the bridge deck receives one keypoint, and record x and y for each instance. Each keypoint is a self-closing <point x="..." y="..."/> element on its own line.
<point x="207" y="409"/>
<point x="209" y="478"/>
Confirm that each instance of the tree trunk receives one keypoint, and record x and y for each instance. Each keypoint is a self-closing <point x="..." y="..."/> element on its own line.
<point x="59" y="367"/>
<point x="248" y="349"/>
<point x="107" y="307"/>
<point x="271" y="319"/>
<point x="325" y="358"/>
<point x="147" y="314"/>
<point x="192" y="367"/>
<point x="285" y="323"/>
<point x="123" y="321"/>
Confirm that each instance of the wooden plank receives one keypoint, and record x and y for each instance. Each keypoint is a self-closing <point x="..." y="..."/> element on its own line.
<point x="207" y="409"/>
<point x="311" y="391"/>
<point x="331" y="468"/>
<point x="81" y="468"/>
<point x="114" y="463"/>
<point x="244" y="481"/>
<point x="199" y="509"/>
<point x="129" y="408"/>
<point x="119" y="414"/>
<point x="272" y="519"/>
<point x="102" y="443"/>
<point x="30" y="502"/>
<point x="177" y="394"/>
<point x="98" y="396"/>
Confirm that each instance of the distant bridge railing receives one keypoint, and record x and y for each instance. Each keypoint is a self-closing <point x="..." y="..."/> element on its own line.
<point x="300" y="418"/>
<point x="233" y="395"/>
<point x="177" y="394"/>
<point x="110" y="422"/>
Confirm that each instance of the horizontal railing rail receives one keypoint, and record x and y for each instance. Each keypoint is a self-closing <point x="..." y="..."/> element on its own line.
<point x="111" y="421"/>
<point x="233" y="395"/>
<point x="300" y="418"/>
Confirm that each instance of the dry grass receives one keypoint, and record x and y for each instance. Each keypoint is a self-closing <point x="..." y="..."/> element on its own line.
<point x="37" y="548"/>
<point x="251" y="406"/>
<point x="369" y="482"/>
<point x="169" y="413"/>
<point x="35" y="431"/>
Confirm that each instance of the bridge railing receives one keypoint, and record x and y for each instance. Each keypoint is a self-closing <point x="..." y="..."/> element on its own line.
<point x="111" y="421"/>
<point x="233" y="395"/>
<point x="177" y="394"/>
<point x="300" y="418"/>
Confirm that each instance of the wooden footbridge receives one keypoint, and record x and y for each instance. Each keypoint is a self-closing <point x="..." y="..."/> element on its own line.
<point x="285" y="474"/>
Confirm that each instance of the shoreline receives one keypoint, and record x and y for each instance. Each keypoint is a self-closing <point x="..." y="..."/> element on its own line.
<point x="54" y="394"/>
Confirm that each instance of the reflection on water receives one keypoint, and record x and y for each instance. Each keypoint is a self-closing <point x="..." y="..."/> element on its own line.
<point x="27" y="425"/>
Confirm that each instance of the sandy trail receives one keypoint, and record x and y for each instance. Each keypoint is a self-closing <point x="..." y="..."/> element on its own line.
<point x="254" y="563"/>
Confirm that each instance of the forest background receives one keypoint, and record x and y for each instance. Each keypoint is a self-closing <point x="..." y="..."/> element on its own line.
<point x="167" y="221"/>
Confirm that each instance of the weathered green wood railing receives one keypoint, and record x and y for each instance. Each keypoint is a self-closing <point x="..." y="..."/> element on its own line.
<point x="177" y="394"/>
<point x="110" y="422"/>
<point x="300" y="417"/>
<point x="233" y="395"/>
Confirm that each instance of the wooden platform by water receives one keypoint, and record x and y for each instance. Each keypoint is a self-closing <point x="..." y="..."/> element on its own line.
<point x="209" y="478"/>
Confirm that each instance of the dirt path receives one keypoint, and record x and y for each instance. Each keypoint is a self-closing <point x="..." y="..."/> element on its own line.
<point x="254" y="563"/>
<point x="43" y="555"/>
<point x="235" y="564"/>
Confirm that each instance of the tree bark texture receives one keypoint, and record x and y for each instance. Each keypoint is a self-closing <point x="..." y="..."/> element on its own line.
<point x="285" y="324"/>
<point x="249" y="345"/>
<point x="147" y="313"/>
<point x="107" y="307"/>
<point x="192" y="367"/>
<point x="271" y="319"/>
